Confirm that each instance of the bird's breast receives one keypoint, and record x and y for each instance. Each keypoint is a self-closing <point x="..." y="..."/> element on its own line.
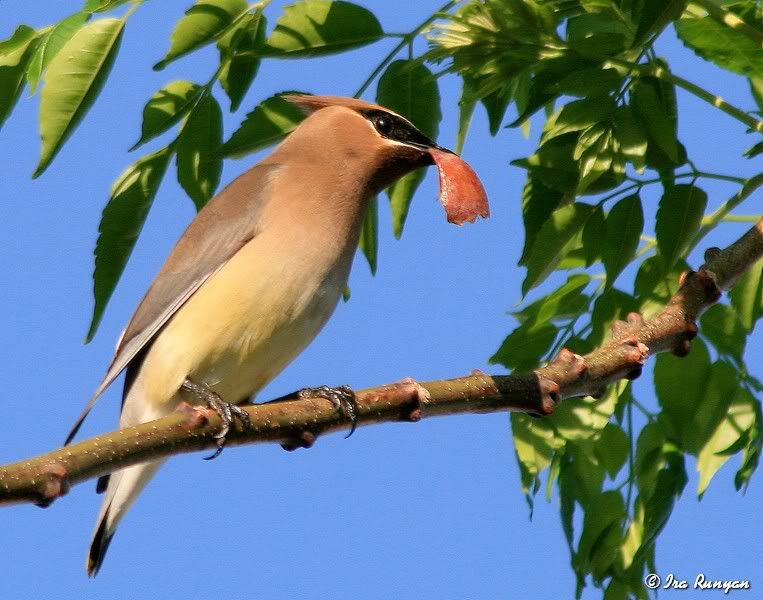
<point x="250" y="319"/>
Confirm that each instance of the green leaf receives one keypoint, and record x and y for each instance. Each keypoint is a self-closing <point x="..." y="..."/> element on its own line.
<point x="659" y="121"/>
<point x="103" y="5"/>
<point x="594" y="236"/>
<point x="50" y="44"/>
<point x="74" y="79"/>
<point x="578" y="419"/>
<point x="166" y="107"/>
<point x="588" y="473"/>
<point x="579" y="115"/>
<point x="650" y="110"/>
<point x="400" y="195"/>
<point x="624" y="225"/>
<point x="567" y="499"/>
<point x="553" y="164"/>
<point x="679" y="217"/>
<point x="199" y="165"/>
<point x="611" y="305"/>
<point x="466" y="107"/>
<point x="617" y="589"/>
<point x="267" y="124"/>
<point x="541" y="92"/>
<point x="670" y="482"/>
<point x="654" y="287"/>
<point x="594" y="153"/>
<point x="654" y="15"/>
<point x="633" y="535"/>
<point x="369" y="242"/>
<point x="409" y="88"/>
<point x="754" y="150"/>
<point x="15" y="46"/>
<point x="726" y="46"/>
<point x="756" y="89"/>
<point x="611" y="448"/>
<point x="317" y="27"/>
<point x="534" y="442"/>
<point x="553" y="475"/>
<point x="237" y="55"/>
<point x="752" y="451"/>
<point x="15" y="53"/>
<point x="566" y="302"/>
<point x="121" y="223"/>
<point x="714" y="453"/>
<point x="649" y="457"/>
<point x="597" y="35"/>
<point x="496" y="103"/>
<point x="538" y="204"/>
<point x="201" y="23"/>
<point x="565" y="223"/>
<point x="747" y="296"/>
<point x="523" y="348"/>
<point x="519" y="28"/>
<point x="633" y="142"/>
<point x="601" y="535"/>
<point x="588" y="82"/>
<point x="721" y="325"/>
<point x="681" y="384"/>
<point x="721" y="387"/>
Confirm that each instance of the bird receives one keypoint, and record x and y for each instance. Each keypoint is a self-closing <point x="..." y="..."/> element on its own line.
<point x="259" y="271"/>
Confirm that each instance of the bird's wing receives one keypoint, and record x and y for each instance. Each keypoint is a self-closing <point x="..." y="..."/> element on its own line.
<point x="221" y="228"/>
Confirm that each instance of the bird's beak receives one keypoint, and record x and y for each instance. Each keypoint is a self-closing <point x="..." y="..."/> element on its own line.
<point x="461" y="192"/>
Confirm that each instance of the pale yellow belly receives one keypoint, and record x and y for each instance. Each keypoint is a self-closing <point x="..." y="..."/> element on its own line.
<point x="244" y="325"/>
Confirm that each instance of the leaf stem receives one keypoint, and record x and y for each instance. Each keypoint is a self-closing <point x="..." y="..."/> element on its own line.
<point x="133" y="7"/>
<point x="631" y="461"/>
<point x="406" y="39"/>
<point x="651" y="70"/>
<point x="720" y="177"/>
<point x="645" y="411"/>
<point x="711" y="221"/>
<point x="741" y="218"/>
<point x="650" y="245"/>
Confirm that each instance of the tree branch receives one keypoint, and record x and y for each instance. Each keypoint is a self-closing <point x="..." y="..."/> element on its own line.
<point x="296" y="422"/>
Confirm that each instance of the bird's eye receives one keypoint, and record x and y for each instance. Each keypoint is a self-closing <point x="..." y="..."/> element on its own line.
<point x="383" y="124"/>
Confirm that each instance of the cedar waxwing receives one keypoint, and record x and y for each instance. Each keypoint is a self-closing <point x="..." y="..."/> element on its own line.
<point x="259" y="271"/>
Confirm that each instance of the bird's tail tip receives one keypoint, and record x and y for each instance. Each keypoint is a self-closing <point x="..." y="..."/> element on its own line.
<point x="99" y="546"/>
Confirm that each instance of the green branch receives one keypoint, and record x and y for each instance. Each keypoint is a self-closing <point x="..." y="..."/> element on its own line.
<point x="729" y="19"/>
<point x="713" y="219"/>
<point x="650" y="70"/>
<point x="405" y="41"/>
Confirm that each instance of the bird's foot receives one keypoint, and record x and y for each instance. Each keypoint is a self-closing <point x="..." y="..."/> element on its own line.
<point x="228" y="412"/>
<point x="342" y="397"/>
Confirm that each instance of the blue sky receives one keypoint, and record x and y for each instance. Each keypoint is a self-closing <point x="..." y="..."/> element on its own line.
<point x="397" y="511"/>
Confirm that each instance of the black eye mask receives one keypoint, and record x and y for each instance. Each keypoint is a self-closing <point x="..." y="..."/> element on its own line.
<point x="395" y="128"/>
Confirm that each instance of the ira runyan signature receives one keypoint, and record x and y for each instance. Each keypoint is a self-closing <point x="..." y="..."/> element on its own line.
<point x="702" y="583"/>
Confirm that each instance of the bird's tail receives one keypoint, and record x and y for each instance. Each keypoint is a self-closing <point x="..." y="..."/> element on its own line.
<point x="121" y="491"/>
<point x="123" y="487"/>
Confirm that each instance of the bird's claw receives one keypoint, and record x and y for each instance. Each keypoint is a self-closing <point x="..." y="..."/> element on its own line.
<point x="342" y="397"/>
<point x="228" y="413"/>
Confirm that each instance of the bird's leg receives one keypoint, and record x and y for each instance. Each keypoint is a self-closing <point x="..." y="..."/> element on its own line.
<point x="228" y="412"/>
<point x="342" y="397"/>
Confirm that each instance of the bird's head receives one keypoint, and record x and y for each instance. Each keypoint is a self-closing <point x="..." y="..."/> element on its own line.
<point x="390" y="146"/>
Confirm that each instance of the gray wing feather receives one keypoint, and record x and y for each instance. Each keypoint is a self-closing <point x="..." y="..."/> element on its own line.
<point x="221" y="228"/>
